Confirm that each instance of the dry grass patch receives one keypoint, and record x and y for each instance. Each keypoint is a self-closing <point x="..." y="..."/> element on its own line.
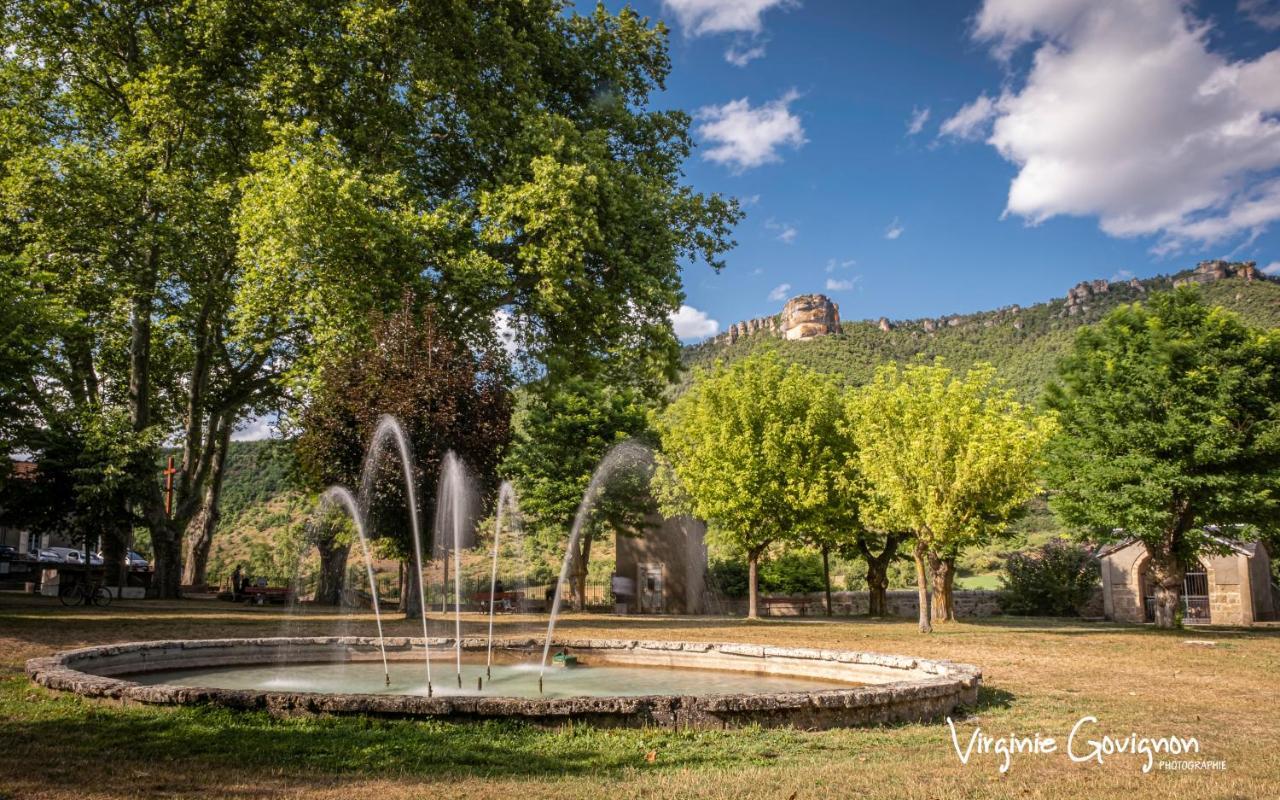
<point x="1040" y="675"/>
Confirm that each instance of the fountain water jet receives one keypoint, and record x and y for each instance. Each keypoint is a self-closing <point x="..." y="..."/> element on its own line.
<point x="624" y="455"/>
<point x="506" y="502"/>
<point x="451" y="510"/>
<point x="389" y="427"/>
<point x="340" y="496"/>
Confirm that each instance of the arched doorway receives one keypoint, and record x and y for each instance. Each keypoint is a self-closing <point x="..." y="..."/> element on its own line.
<point x="1195" y="595"/>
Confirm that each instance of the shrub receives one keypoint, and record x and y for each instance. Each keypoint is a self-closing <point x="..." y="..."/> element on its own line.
<point x="793" y="572"/>
<point x="728" y="576"/>
<point x="1055" y="580"/>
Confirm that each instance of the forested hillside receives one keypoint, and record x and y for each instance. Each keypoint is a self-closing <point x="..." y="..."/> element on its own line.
<point x="1023" y="344"/>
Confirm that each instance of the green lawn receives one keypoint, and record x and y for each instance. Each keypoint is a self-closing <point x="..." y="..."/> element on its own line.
<point x="1041" y="675"/>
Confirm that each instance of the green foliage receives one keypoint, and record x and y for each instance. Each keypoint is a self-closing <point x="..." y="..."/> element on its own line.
<point x="1170" y="421"/>
<point x="951" y="459"/>
<point x="793" y="571"/>
<point x="1056" y="580"/>
<point x="753" y="447"/>
<point x="562" y="429"/>
<point x="901" y="574"/>
<point x="85" y="485"/>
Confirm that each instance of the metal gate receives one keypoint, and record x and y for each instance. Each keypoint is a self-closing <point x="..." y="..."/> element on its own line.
<point x="1195" y="597"/>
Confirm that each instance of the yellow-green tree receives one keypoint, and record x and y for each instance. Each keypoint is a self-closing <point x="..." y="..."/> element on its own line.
<point x="754" y="448"/>
<point x="951" y="459"/>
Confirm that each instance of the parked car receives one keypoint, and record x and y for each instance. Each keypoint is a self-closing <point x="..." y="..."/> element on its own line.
<point x="8" y="552"/>
<point x="62" y="555"/>
<point x="136" y="561"/>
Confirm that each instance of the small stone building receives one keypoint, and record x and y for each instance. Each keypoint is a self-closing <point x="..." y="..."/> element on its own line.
<point x="665" y="570"/>
<point x="1231" y="589"/>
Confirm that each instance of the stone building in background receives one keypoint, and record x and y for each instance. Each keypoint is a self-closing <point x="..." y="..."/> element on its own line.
<point x="1231" y="589"/>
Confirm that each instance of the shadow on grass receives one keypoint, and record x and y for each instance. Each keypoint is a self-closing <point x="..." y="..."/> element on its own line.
<point x="68" y="740"/>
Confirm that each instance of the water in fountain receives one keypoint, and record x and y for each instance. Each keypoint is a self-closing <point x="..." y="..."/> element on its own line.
<point x="624" y="456"/>
<point x="506" y="510"/>
<point x="342" y="498"/>
<point x="389" y="429"/>
<point x="453" y="531"/>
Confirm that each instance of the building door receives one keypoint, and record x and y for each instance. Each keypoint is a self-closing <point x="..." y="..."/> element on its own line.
<point x="652" y="596"/>
<point x="1195" y="596"/>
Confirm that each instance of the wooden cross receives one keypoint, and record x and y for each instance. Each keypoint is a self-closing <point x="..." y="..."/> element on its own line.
<point x="168" y="488"/>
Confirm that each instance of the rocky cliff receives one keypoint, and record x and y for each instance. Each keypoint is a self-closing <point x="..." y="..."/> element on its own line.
<point x="811" y="316"/>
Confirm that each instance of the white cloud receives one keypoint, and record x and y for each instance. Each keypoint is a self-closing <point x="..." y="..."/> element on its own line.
<point x="254" y="428"/>
<point x="749" y="200"/>
<point x="1126" y="115"/>
<point x="917" y="120"/>
<point x="691" y="323"/>
<point x="741" y="54"/>
<point x="701" y="17"/>
<point x="780" y="292"/>
<point x="743" y="137"/>
<point x="787" y="232"/>
<point x="1263" y="13"/>
<point x="971" y="121"/>
<point x="894" y="230"/>
<point x="834" y="285"/>
<point x="1122" y="275"/>
<point x="1272" y="269"/>
<point x="833" y="264"/>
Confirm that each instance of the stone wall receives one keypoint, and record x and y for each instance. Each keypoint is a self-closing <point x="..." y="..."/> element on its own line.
<point x="899" y="603"/>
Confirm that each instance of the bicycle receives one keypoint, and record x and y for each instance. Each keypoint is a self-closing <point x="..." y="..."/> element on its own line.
<point x="79" y="594"/>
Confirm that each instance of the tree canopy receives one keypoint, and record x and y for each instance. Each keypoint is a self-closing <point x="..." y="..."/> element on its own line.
<point x="1170" y="422"/>
<point x="753" y="447"/>
<point x="216" y="196"/>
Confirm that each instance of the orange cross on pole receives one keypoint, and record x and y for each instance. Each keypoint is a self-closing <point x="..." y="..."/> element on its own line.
<point x="168" y="488"/>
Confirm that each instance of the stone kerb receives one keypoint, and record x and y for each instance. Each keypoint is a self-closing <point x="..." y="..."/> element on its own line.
<point x="891" y="688"/>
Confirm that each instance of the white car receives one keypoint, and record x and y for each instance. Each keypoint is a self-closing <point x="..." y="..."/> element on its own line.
<point x="136" y="561"/>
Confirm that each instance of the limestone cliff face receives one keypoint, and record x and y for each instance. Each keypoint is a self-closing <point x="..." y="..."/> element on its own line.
<point x="805" y="317"/>
<point x="809" y="316"/>
<point x="1216" y="270"/>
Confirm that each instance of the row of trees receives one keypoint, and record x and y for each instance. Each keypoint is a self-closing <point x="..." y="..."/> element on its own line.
<point x="774" y="453"/>
<point x="1163" y="420"/>
<point x="205" y="208"/>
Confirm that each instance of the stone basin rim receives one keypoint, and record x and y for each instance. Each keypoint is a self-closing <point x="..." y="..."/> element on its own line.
<point x="892" y="688"/>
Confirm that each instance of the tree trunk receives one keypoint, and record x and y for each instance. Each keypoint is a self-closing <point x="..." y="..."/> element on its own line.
<point x="166" y="540"/>
<point x="580" y="574"/>
<point x="1168" y="574"/>
<point x="877" y="588"/>
<point x="333" y="564"/>
<point x="944" y="576"/>
<point x="922" y="586"/>
<point x="200" y="531"/>
<point x="878" y="572"/>
<point x="826" y="575"/>
<point x="409" y="597"/>
<point x="753" y="592"/>
<point x="114" y="558"/>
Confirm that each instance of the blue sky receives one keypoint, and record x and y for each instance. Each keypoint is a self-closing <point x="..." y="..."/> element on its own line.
<point x="1055" y="141"/>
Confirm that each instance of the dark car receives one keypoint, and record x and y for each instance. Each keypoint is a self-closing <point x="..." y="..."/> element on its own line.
<point x="8" y="552"/>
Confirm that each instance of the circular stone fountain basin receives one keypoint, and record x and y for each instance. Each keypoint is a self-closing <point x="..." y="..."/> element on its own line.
<point x="617" y="682"/>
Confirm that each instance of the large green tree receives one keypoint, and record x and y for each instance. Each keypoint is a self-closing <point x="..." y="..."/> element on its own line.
<point x="562" y="430"/>
<point x="219" y="194"/>
<point x="1170" y="422"/>
<point x="952" y="459"/>
<point x="754" y="449"/>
